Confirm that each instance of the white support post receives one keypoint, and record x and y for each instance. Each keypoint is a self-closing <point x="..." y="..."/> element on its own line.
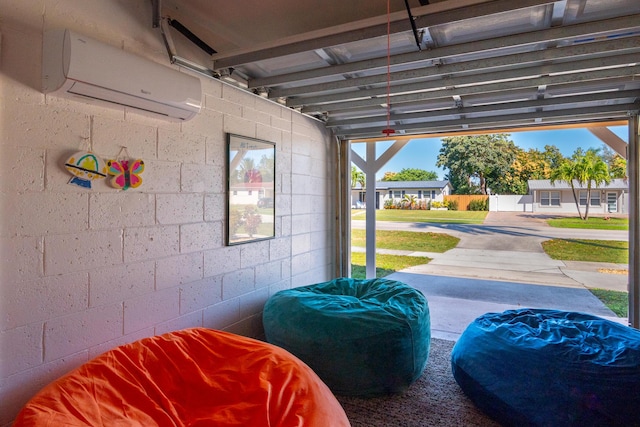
<point x="633" y="171"/>
<point x="370" y="167"/>
<point x="370" y="209"/>
<point x="343" y="219"/>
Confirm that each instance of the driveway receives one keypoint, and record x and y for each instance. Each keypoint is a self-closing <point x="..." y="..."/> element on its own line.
<point x="508" y="246"/>
<point x="500" y="265"/>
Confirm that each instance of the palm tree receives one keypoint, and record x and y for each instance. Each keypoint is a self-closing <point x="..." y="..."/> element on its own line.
<point x="357" y="177"/>
<point x="586" y="169"/>
<point x="409" y="201"/>
<point x="566" y="172"/>
<point x="592" y="170"/>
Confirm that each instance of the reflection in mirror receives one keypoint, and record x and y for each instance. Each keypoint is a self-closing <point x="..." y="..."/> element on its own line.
<point x="250" y="189"/>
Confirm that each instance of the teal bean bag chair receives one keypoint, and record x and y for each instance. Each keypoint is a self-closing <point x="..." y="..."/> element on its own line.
<point x="362" y="337"/>
<point x="550" y="368"/>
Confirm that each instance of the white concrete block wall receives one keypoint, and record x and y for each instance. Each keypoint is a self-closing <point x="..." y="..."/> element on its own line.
<point x="83" y="271"/>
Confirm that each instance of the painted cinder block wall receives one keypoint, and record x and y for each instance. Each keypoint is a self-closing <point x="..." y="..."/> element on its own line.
<point x="84" y="270"/>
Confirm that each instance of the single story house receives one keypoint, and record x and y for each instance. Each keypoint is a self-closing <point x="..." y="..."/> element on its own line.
<point x="557" y="197"/>
<point x="251" y="193"/>
<point x="396" y="190"/>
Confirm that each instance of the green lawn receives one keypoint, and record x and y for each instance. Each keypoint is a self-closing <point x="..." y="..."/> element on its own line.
<point x="385" y="264"/>
<point x="447" y="217"/>
<point x="591" y="223"/>
<point x="407" y="240"/>
<point x="617" y="301"/>
<point x="587" y="250"/>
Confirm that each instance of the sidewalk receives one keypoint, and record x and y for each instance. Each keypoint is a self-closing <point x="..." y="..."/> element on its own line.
<point x="524" y="267"/>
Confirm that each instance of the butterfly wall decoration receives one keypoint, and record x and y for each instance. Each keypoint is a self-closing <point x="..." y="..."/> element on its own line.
<point x="126" y="174"/>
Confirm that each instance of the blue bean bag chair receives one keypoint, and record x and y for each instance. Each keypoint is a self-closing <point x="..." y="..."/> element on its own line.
<point x="550" y="368"/>
<point x="362" y="337"/>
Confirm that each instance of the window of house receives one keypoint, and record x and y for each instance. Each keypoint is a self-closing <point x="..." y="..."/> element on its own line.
<point x="550" y="198"/>
<point x="583" y="198"/>
<point x="397" y="194"/>
<point x="595" y="198"/>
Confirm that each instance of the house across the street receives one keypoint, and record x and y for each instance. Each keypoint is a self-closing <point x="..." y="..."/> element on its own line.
<point x="396" y="190"/>
<point x="557" y="197"/>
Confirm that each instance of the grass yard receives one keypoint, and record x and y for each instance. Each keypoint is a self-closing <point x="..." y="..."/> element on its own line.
<point x="442" y="217"/>
<point x="587" y="250"/>
<point x="385" y="264"/>
<point x="407" y="240"/>
<point x="617" y="301"/>
<point x="596" y="223"/>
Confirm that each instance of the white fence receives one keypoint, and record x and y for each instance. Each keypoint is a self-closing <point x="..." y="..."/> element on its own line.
<point x="511" y="203"/>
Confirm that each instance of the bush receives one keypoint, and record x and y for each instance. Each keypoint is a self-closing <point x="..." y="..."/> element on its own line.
<point x="479" y="205"/>
<point x="452" y="205"/>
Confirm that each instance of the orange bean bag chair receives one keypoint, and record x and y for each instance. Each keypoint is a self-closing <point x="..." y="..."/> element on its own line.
<point x="193" y="377"/>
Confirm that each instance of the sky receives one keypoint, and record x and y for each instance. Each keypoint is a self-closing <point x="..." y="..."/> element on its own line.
<point x="423" y="153"/>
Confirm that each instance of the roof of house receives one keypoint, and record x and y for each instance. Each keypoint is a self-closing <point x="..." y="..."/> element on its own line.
<point x="400" y="185"/>
<point x="545" y="184"/>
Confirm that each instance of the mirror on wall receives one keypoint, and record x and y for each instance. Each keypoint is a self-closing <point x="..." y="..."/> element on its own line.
<point x="250" y="189"/>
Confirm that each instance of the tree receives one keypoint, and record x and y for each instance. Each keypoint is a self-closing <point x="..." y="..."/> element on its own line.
<point x="389" y="176"/>
<point x="266" y="167"/>
<point x="247" y="171"/>
<point x="553" y="157"/>
<point x="617" y="164"/>
<point x="476" y="163"/>
<point x="592" y="170"/>
<point x="410" y="174"/>
<point x="409" y="201"/>
<point x="618" y="167"/>
<point x="566" y="172"/>
<point x="586" y="169"/>
<point x="531" y="164"/>
<point x="357" y="177"/>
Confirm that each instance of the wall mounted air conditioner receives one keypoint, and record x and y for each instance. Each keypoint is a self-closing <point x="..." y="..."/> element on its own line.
<point x="76" y="65"/>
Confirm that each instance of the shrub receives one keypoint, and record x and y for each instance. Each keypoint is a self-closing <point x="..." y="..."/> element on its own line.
<point x="252" y="220"/>
<point x="435" y="204"/>
<point x="479" y="205"/>
<point x="452" y="205"/>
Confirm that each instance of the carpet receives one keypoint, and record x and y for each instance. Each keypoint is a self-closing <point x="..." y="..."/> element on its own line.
<point x="433" y="400"/>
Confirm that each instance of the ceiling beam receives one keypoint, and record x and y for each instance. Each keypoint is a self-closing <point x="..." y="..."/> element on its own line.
<point x="623" y="24"/>
<point x="425" y="17"/>
<point x="608" y="112"/>
<point x="497" y="82"/>
<point x="502" y="129"/>
<point x="628" y="95"/>
<point x="623" y="46"/>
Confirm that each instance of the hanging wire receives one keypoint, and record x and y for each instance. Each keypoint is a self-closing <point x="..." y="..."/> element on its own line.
<point x="388" y="131"/>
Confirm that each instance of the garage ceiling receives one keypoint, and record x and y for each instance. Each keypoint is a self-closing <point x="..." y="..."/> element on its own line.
<point x="469" y="65"/>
